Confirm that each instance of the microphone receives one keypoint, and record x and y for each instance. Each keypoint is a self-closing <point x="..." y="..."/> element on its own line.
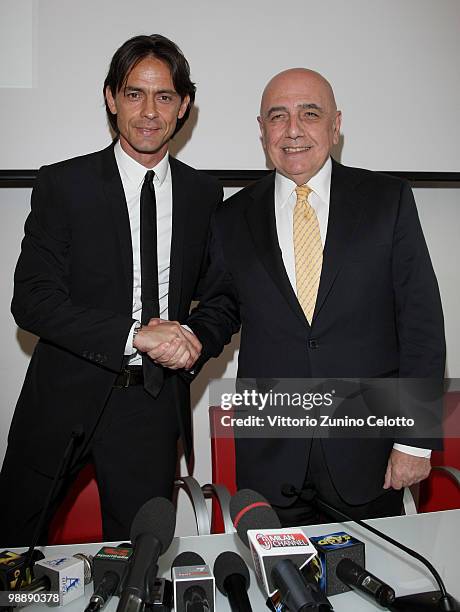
<point x="356" y="577"/>
<point x="10" y="569"/>
<point x="232" y="579"/>
<point x="292" y="584"/>
<point x="250" y="510"/>
<point x="103" y="592"/>
<point x="333" y="547"/>
<point x="151" y="534"/>
<point x="277" y="553"/>
<point x="193" y="584"/>
<point x="59" y="578"/>
<point x="109" y="567"/>
<point x="88" y="566"/>
<point x="418" y="602"/>
<point x="65" y="575"/>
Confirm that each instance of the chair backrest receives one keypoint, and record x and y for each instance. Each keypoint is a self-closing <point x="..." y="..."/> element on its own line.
<point x="440" y="491"/>
<point x="78" y="519"/>
<point x="222" y="459"/>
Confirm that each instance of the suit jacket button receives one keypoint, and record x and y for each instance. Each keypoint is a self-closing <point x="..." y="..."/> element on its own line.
<point x="313" y="344"/>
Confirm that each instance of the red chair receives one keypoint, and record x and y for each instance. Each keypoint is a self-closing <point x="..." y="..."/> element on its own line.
<point x="223" y="462"/>
<point x="441" y="491"/>
<point x="78" y="519"/>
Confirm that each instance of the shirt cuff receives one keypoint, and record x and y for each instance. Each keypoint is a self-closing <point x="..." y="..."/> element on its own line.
<point x="129" y="348"/>
<point x="413" y="450"/>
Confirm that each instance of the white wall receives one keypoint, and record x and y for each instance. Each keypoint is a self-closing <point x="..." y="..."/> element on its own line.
<point x="393" y="63"/>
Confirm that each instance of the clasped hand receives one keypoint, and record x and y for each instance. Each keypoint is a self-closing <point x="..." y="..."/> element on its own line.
<point x="168" y="344"/>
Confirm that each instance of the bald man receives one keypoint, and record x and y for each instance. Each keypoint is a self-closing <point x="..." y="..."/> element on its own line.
<point x="326" y="269"/>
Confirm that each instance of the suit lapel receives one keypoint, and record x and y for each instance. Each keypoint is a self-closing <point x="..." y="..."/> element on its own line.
<point x="115" y="195"/>
<point x="180" y="206"/>
<point x="261" y="219"/>
<point x="345" y="209"/>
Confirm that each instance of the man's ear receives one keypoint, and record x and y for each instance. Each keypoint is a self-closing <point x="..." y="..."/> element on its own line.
<point x="183" y="107"/>
<point x="261" y="127"/>
<point x="336" y="127"/>
<point x="110" y="100"/>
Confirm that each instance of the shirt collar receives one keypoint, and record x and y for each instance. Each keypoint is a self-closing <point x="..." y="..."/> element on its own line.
<point x="320" y="184"/>
<point x="133" y="171"/>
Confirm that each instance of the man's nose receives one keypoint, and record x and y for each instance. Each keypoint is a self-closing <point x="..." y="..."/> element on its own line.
<point x="294" y="128"/>
<point x="149" y="109"/>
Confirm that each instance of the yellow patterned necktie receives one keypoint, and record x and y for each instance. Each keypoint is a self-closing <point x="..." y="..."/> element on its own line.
<point x="308" y="251"/>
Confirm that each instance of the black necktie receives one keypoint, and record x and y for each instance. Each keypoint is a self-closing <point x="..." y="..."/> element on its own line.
<point x="153" y="374"/>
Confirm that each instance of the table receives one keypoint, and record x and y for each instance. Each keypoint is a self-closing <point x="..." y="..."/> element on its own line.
<point x="435" y="535"/>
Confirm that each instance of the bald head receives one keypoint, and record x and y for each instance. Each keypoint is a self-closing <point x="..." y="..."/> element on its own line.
<point x="299" y="122"/>
<point x="293" y="77"/>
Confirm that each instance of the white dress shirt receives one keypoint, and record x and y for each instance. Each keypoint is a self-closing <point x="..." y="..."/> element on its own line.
<point x="132" y="177"/>
<point x="285" y="201"/>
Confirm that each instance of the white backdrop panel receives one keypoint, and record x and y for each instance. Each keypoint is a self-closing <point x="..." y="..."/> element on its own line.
<point x="393" y="63"/>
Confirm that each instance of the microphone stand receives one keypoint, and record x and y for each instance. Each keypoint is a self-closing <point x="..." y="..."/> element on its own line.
<point x="418" y="602"/>
<point x="75" y="436"/>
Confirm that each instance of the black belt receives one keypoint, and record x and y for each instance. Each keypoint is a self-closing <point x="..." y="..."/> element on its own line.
<point x="131" y="375"/>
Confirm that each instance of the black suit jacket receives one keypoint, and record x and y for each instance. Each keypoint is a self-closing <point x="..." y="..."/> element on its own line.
<point x="73" y="289"/>
<point x="377" y="314"/>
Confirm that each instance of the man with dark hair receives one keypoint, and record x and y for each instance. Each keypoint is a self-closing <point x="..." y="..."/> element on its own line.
<point x="115" y="241"/>
<point x="135" y="50"/>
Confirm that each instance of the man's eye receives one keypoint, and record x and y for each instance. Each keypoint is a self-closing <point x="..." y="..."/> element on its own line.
<point x="311" y="115"/>
<point x="165" y="98"/>
<point x="278" y="117"/>
<point x="133" y="95"/>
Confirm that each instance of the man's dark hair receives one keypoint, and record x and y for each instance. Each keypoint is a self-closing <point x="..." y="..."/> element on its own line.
<point x="134" y="51"/>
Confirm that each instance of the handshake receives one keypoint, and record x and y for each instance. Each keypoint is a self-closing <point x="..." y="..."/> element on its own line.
<point x="168" y="344"/>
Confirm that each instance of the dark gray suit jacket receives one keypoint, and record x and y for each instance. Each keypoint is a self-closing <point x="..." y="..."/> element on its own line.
<point x="73" y="288"/>
<point x="378" y="314"/>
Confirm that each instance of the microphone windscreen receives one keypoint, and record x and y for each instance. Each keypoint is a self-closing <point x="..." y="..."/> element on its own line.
<point x="226" y="564"/>
<point x="250" y="510"/>
<point x="156" y="517"/>
<point x="187" y="558"/>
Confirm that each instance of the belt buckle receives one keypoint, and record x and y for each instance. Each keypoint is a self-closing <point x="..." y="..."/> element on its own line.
<point x="127" y="372"/>
<point x="125" y="377"/>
